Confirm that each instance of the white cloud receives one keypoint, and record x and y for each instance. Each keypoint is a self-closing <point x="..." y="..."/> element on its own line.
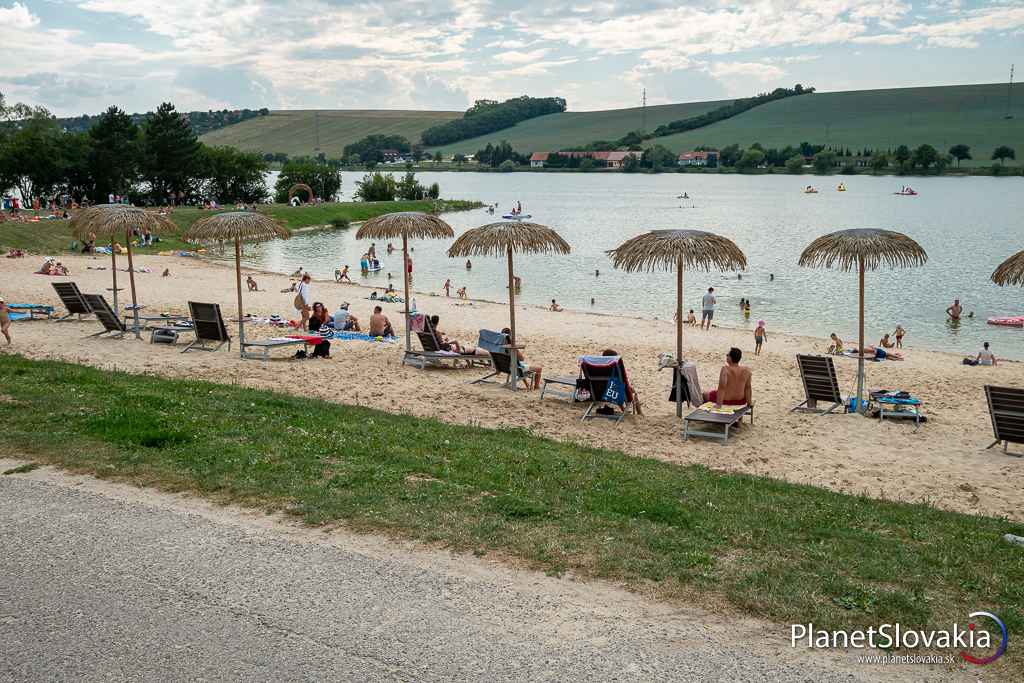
<point x="883" y="39"/>
<point x="758" y="70"/>
<point x="516" y="57"/>
<point x="17" y="17"/>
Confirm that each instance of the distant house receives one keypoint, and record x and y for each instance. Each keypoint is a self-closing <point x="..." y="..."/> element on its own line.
<point x="537" y="159"/>
<point x="707" y="157"/>
<point x="391" y="155"/>
<point x="612" y="159"/>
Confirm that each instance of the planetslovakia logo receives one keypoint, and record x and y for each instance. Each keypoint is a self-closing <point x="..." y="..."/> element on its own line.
<point x="1002" y="644"/>
<point x="895" y="637"/>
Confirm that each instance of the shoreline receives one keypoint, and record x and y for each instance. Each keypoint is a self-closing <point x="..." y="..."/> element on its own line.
<point x="944" y="463"/>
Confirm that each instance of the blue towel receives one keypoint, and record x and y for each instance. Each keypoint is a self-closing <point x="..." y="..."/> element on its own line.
<point x="40" y="307"/>
<point x="355" y="336"/>
<point x="18" y="316"/>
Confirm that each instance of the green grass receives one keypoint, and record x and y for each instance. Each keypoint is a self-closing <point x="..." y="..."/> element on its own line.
<point x="294" y="131"/>
<point x="559" y="131"/>
<point x="940" y="116"/>
<point x="785" y="552"/>
<point x="55" y="236"/>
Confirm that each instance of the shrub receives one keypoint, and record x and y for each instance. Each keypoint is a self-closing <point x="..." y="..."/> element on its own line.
<point x="340" y="222"/>
<point x="507" y="165"/>
<point x="795" y="164"/>
<point x="376" y="187"/>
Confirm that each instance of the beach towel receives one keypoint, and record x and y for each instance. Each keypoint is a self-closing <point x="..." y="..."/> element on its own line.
<point x="709" y="407"/>
<point x="39" y="308"/>
<point x="19" y="316"/>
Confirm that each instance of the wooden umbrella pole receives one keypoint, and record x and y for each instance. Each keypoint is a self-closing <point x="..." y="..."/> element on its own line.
<point x="238" y="284"/>
<point x="679" y="338"/>
<point x="131" y="280"/>
<point x="113" y="270"/>
<point x="513" y="353"/>
<point x="405" y="279"/>
<point x="860" y="356"/>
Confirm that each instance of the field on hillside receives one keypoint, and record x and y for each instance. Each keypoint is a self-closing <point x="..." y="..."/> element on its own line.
<point x="558" y="131"/>
<point x="294" y="131"/>
<point x="941" y="116"/>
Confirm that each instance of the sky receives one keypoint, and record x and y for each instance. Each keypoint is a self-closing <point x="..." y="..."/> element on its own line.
<point x="81" y="56"/>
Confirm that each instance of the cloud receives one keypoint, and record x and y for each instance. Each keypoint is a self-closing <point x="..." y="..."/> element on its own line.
<point x="883" y="39"/>
<point x="17" y="17"/>
<point x="758" y="70"/>
<point x="516" y="57"/>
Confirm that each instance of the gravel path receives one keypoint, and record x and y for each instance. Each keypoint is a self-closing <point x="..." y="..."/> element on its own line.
<point x="102" y="581"/>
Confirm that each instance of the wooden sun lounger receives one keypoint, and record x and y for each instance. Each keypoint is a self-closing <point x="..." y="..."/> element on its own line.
<point x="106" y="315"/>
<point x="820" y="384"/>
<point x="1006" y="408"/>
<point x="725" y="419"/>
<point x="564" y="387"/>
<point x="72" y="299"/>
<point x="434" y="356"/>
<point x="209" y="327"/>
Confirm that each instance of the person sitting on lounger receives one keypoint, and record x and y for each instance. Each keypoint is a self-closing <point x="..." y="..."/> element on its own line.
<point x="733" y="383"/>
<point x="345" y="321"/>
<point x="443" y="342"/>
<point x="837" y="344"/>
<point x="318" y="318"/>
<point x="521" y="359"/>
<point x="251" y="284"/>
<point x="380" y="326"/>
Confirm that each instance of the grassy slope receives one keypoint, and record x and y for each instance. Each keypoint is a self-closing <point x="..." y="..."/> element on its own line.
<point x="55" y="236"/>
<point x="790" y="553"/>
<point x="294" y="131"/>
<point x="558" y="131"/>
<point x="940" y="116"/>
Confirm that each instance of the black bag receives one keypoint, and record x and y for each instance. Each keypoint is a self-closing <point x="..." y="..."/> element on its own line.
<point x="162" y="336"/>
<point x="301" y="353"/>
<point x="675" y="386"/>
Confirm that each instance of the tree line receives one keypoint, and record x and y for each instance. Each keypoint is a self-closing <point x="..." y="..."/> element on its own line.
<point x="201" y="121"/>
<point x="488" y="116"/>
<point x="158" y="162"/>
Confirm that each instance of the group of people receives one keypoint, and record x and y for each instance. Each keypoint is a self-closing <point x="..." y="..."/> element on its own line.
<point x="52" y="266"/>
<point x="447" y="289"/>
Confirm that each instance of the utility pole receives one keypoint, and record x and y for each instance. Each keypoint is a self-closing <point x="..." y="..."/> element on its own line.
<point x="316" y="127"/>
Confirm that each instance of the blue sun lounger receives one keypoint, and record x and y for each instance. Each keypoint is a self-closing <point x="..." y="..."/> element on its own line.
<point x="31" y="310"/>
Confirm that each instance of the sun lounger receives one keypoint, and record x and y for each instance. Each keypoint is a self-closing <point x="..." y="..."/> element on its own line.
<point x="1006" y="408"/>
<point x="500" y="359"/>
<point x="604" y="379"/>
<point x="432" y="353"/>
<point x="209" y="327"/>
<point x="72" y="299"/>
<point x="260" y="349"/>
<point x="32" y="310"/>
<point x="562" y="386"/>
<point x="820" y="384"/>
<point x="106" y="315"/>
<point x="726" y="416"/>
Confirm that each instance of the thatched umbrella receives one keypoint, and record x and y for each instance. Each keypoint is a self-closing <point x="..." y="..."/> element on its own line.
<point x="112" y="220"/>
<point x="679" y="250"/>
<point x="1010" y="271"/>
<point x="407" y="225"/>
<point x="864" y="249"/>
<point x="505" y="239"/>
<point x="237" y="227"/>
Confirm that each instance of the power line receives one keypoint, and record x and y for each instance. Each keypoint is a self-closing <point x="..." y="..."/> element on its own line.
<point x="1009" y="87"/>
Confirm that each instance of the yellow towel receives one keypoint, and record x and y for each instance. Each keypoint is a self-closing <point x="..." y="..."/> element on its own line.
<point x="724" y="410"/>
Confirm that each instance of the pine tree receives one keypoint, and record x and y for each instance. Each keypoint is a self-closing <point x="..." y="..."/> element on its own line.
<point x="170" y="154"/>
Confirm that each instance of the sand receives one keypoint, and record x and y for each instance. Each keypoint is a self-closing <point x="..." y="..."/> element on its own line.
<point x="944" y="463"/>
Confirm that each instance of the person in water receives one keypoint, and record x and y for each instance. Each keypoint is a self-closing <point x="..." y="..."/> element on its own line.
<point x="899" y="336"/>
<point x="469" y="264"/>
<point x="955" y="310"/>
<point x="447" y="287"/>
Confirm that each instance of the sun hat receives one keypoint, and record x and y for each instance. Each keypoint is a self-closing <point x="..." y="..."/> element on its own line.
<point x="760" y="323"/>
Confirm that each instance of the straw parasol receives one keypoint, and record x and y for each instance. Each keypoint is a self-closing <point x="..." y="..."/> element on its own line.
<point x="407" y="225"/>
<point x="237" y="227"/>
<point x="863" y="249"/>
<point x="1010" y="271"/>
<point x="112" y="220"/>
<point x="679" y="250"/>
<point x="507" y="238"/>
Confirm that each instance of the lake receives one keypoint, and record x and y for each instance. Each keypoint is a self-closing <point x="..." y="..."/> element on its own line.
<point x="967" y="225"/>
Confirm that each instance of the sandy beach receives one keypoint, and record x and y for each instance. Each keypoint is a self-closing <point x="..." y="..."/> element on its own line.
<point x="944" y="463"/>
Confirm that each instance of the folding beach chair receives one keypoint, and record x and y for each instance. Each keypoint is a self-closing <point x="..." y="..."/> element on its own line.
<point x="72" y="299"/>
<point x="494" y="344"/>
<point x="209" y="327"/>
<point x="604" y="378"/>
<point x="433" y="354"/>
<point x="820" y="384"/>
<point x="1006" y="408"/>
<point x="106" y="315"/>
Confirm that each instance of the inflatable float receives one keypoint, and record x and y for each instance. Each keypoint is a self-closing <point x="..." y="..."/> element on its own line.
<point x="906" y="193"/>
<point x="1007" y="321"/>
<point x="371" y="266"/>
<point x="841" y="188"/>
<point x="515" y="216"/>
<point x="810" y="190"/>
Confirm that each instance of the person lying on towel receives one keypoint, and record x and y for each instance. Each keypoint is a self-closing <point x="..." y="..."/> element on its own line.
<point x="733" y="383"/>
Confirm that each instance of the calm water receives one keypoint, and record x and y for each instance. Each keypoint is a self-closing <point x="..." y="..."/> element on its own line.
<point x="967" y="226"/>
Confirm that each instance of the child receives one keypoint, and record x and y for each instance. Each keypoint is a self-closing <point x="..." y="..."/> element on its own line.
<point x="461" y="293"/>
<point x="691" y="319"/>
<point x="343" y="275"/>
<point x="760" y="336"/>
<point x="899" y="336"/>
<point x="5" y="321"/>
<point x="837" y="344"/>
<point x="746" y="310"/>
<point x="251" y="284"/>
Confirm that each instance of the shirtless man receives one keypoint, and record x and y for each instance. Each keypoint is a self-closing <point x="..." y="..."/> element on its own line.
<point x="955" y="310"/>
<point x="380" y="326"/>
<point x="733" y="383"/>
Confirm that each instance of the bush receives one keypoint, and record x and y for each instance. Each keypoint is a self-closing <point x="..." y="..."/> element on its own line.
<point x="376" y="187"/>
<point x="795" y="164"/>
<point x="848" y="169"/>
<point x="507" y="165"/>
<point x="340" y="222"/>
<point x="586" y="165"/>
<point x="435" y="191"/>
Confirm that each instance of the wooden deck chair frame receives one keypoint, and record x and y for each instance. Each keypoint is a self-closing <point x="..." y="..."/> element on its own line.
<point x="106" y="315"/>
<point x="1006" y="409"/>
<point x="501" y="364"/>
<point x="818" y="374"/>
<point x="209" y="327"/>
<point x="599" y="389"/>
<point x="72" y="299"/>
<point x="434" y="356"/>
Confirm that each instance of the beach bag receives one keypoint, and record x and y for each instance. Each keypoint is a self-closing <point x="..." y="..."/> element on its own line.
<point x="615" y="392"/>
<point x="299" y="303"/>
<point x="163" y="337"/>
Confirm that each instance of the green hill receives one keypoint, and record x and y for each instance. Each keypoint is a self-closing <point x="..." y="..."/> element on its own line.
<point x="293" y="131"/>
<point x="940" y="116"/>
<point x="558" y="131"/>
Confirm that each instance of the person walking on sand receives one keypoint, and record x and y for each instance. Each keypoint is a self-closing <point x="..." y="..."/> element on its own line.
<point x="760" y="337"/>
<point x="304" y="300"/>
<point x="251" y="284"/>
<point x="5" y="321"/>
<point x="955" y="310"/>
<point x="447" y="287"/>
<point x="343" y="276"/>
<point x="707" y="308"/>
